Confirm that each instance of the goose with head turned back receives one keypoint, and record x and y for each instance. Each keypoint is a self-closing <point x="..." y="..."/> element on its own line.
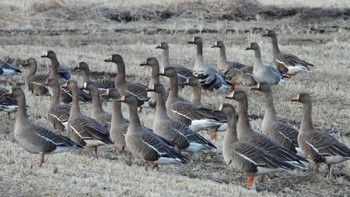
<point x="183" y="137"/>
<point x="66" y="96"/>
<point x="125" y="87"/>
<point x="245" y="133"/>
<point x="316" y="144"/>
<point x="97" y="113"/>
<point x="264" y="73"/>
<point x="119" y="125"/>
<point x="34" y="138"/>
<point x="245" y="156"/>
<point x="35" y="81"/>
<point x="196" y="117"/>
<point x="209" y="77"/>
<point x="144" y="143"/>
<point x="182" y="72"/>
<point x="102" y="84"/>
<point x="8" y="69"/>
<point x="58" y="114"/>
<point x="83" y="129"/>
<point x="282" y="133"/>
<point x="287" y="64"/>
<point x="8" y="103"/>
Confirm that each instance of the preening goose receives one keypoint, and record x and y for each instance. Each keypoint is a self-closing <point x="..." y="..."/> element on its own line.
<point x="34" y="138"/>
<point x="209" y="77"/>
<point x="182" y="72"/>
<point x="66" y="96"/>
<point x="125" y="87"/>
<point x="245" y="133"/>
<point x="287" y="64"/>
<point x="282" y="133"/>
<point x="316" y="144"/>
<point x="183" y="137"/>
<point x="97" y="113"/>
<point x="119" y="125"/>
<point x="102" y="84"/>
<point x="245" y="156"/>
<point x="35" y="81"/>
<point x="8" y="103"/>
<point x="83" y="129"/>
<point x="264" y="73"/>
<point x="145" y="144"/>
<point x="58" y="113"/>
<point x="8" y="69"/>
<point x="195" y="116"/>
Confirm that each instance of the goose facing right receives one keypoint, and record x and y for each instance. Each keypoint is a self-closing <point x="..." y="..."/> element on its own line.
<point x="34" y="138"/>
<point x="245" y="156"/>
<point x="144" y="143"/>
<point x="316" y="144"/>
<point x="264" y="73"/>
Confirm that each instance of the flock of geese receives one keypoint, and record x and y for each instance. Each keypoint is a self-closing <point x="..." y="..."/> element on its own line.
<point x="279" y="147"/>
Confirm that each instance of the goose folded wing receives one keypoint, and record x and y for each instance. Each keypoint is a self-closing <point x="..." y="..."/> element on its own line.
<point x="89" y="129"/>
<point x="61" y="112"/>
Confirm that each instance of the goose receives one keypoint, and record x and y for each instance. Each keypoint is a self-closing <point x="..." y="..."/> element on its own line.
<point x="83" y="129"/>
<point x="58" y="113"/>
<point x="245" y="133"/>
<point x="287" y="64"/>
<point x="102" y="84"/>
<point x="8" y="69"/>
<point x="66" y="96"/>
<point x="195" y="116"/>
<point x="153" y="63"/>
<point x="100" y="115"/>
<point x="145" y="144"/>
<point x="245" y="156"/>
<point x="34" y="138"/>
<point x="126" y="87"/>
<point x="7" y="103"/>
<point x="209" y="77"/>
<point x="182" y="72"/>
<point x="317" y="145"/>
<point x="264" y="73"/>
<point x="35" y="82"/>
<point x="183" y="137"/>
<point x="119" y="125"/>
<point x="282" y="133"/>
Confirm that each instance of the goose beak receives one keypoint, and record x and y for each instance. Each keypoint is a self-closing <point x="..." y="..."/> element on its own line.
<point x="158" y="47"/>
<point x="76" y="69"/>
<point x="108" y="60"/>
<point x="121" y="99"/>
<point x="144" y="63"/>
<point x="104" y="93"/>
<point x="215" y="45"/>
<point x="45" y="55"/>
<point x="256" y="87"/>
<point x="187" y="82"/>
<point x="85" y="85"/>
<point x="219" y="109"/>
<point x="150" y="88"/>
<point x="161" y="73"/>
<point x="9" y="93"/>
<point x="296" y="98"/>
<point x="230" y="96"/>
<point x="64" y="85"/>
<point x="249" y="48"/>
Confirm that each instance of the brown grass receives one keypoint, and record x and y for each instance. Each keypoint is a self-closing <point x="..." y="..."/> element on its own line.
<point x="94" y="38"/>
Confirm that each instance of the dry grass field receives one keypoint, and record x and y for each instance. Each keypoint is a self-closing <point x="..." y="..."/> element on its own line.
<point x="92" y="30"/>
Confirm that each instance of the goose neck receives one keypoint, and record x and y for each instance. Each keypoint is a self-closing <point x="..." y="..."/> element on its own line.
<point x="231" y="133"/>
<point x="258" y="60"/>
<point x="55" y="97"/>
<point x="243" y="121"/>
<point x="222" y="58"/>
<point x="306" y="122"/>
<point x="117" y="115"/>
<point x="54" y="68"/>
<point x="96" y="102"/>
<point x="166" y="61"/>
<point x="196" y="95"/>
<point x="21" y="111"/>
<point x="33" y="69"/>
<point x="75" y="109"/>
<point x="161" y="111"/>
<point x="270" y="112"/>
<point x="134" y="117"/>
<point x="120" y="79"/>
<point x="275" y="48"/>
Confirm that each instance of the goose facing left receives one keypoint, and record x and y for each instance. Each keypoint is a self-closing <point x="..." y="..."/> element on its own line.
<point x="34" y="138"/>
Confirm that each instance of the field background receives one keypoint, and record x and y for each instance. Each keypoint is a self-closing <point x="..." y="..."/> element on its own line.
<point x="92" y="30"/>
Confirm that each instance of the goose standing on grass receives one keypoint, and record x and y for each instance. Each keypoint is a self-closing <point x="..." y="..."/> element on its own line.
<point x="83" y="129"/>
<point x="58" y="113"/>
<point x="144" y="143"/>
<point x="195" y="116"/>
<point x="119" y="125"/>
<point x="103" y="117"/>
<point x="102" y="84"/>
<point x="66" y="96"/>
<point x="8" y="103"/>
<point x="316" y="144"/>
<point x="34" y="138"/>
<point x="35" y="82"/>
<point x="282" y="133"/>
<point x="287" y="64"/>
<point x="264" y="73"/>
<point x="209" y="77"/>
<point x="245" y="133"/>
<point x="125" y="87"/>
<point x="8" y="69"/>
<point x="183" y="137"/>
<point x="245" y="156"/>
<point x="182" y="72"/>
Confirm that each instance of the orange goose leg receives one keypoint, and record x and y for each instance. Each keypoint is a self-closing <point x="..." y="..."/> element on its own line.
<point x="129" y="159"/>
<point x="145" y="165"/>
<point x="115" y="149"/>
<point x="155" y="166"/>
<point x="41" y="159"/>
<point x="214" y="135"/>
<point x="95" y="152"/>
<point x="315" y="168"/>
<point x="250" y="182"/>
